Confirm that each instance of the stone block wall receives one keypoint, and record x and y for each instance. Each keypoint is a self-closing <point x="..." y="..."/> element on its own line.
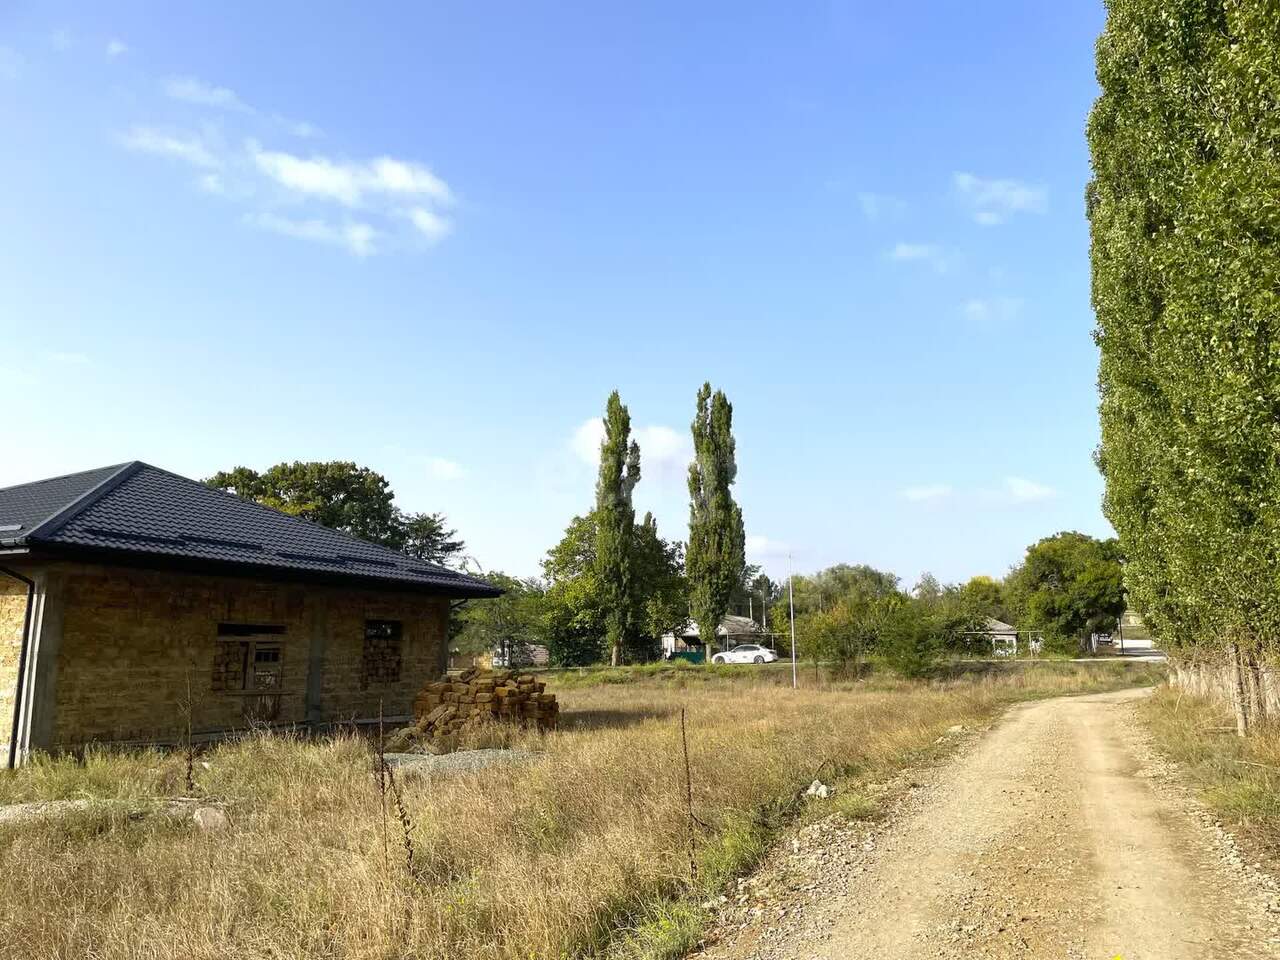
<point x="134" y="642"/>
<point x="13" y="611"/>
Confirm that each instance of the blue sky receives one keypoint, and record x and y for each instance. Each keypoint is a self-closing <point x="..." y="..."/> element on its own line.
<point x="432" y="238"/>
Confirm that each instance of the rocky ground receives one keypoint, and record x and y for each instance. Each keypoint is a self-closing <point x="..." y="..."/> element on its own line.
<point x="1058" y="833"/>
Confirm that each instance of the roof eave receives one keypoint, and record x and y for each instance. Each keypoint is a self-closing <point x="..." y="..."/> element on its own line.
<point x="153" y="561"/>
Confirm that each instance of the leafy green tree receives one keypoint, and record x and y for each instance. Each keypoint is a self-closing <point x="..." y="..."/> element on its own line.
<point x="715" y="556"/>
<point x="507" y="626"/>
<point x="985" y="595"/>
<point x="909" y="640"/>
<point x="615" y="517"/>
<point x="343" y="496"/>
<point x="575" y="601"/>
<point x="1185" y="143"/>
<point x="1069" y="586"/>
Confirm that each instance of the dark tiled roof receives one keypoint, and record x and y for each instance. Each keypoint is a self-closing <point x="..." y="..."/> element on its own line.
<point x="140" y="510"/>
<point x="25" y="507"/>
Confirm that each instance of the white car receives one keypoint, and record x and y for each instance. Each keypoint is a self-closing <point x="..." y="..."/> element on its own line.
<point x="746" y="653"/>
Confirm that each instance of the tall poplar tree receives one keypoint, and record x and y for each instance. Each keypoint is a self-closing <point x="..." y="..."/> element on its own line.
<point x="615" y="518"/>
<point x="1185" y="141"/>
<point x="716" y="554"/>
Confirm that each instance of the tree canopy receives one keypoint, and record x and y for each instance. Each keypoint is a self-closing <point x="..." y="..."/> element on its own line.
<point x="343" y="496"/>
<point x="715" y="556"/>
<point x="615" y="519"/>
<point x="1069" y="586"/>
<point x="1185" y="144"/>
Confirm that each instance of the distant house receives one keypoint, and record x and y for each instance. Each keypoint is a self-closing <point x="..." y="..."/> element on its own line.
<point x="132" y="598"/>
<point x="732" y="630"/>
<point x="1003" y="638"/>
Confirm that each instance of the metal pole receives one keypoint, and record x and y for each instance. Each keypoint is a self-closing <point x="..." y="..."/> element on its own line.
<point x="791" y="600"/>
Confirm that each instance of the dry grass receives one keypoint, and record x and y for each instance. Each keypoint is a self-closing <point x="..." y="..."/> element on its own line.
<point x="584" y="852"/>
<point x="1238" y="778"/>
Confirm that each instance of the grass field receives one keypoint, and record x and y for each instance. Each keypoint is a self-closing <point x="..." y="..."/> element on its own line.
<point x="585" y="852"/>
<point x="1238" y="778"/>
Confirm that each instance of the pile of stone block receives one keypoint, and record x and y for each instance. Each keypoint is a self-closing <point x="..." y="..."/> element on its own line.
<point x="473" y="696"/>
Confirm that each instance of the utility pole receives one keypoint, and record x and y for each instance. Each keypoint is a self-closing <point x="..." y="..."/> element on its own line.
<point x="791" y="600"/>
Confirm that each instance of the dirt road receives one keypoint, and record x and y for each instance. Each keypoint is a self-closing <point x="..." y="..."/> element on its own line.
<point x="1051" y="836"/>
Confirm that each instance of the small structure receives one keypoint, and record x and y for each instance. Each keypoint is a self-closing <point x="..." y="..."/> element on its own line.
<point x="137" y="606"/>
<point x="1003" y="638"/>
<point x="732" y="630"/>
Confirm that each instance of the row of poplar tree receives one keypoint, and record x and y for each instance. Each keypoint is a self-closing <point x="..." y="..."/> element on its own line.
<point x="714" y="557"/>
<point x="1184" y="209"/>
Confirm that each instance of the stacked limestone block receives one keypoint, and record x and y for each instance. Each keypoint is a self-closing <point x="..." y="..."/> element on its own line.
<point x="462" y="697"/>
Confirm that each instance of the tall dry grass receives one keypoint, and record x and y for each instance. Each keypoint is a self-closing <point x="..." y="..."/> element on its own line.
<point x="582" y="852"/>
<point x="1238" y="777"/>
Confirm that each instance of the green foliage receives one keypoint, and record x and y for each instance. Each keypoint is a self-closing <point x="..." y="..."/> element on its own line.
<point x="1069" y="586"/>
<point x="575" y="603"/>
<point x="1183" y="211"/>
<point x="615" y="519"/>
<point x="716" y="553"/>
<point x="509" y="624"/>
<point x="909" y="641"/>
<point x="343" y="496"/>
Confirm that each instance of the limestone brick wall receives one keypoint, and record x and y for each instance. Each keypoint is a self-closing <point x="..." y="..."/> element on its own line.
<point x="13" y="609"/>
<point x="133" y="641"/>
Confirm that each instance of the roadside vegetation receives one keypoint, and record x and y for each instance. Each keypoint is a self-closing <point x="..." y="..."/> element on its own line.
<point x="1239" y="778"/>
<point x="586" y="851"/>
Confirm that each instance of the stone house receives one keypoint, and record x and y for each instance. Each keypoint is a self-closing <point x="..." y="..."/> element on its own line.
<point x="134" y="601"/>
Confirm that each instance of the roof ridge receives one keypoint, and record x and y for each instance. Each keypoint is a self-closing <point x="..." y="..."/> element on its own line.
<point x="104" y="486"/>
<point x="291" y="516"/>
<point x="66" y="476"/>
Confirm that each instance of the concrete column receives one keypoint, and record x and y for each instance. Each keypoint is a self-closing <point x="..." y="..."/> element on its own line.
<point x="39" y="694"/>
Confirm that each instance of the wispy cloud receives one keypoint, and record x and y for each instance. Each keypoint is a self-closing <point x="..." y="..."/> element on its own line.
<point x="350" y="183"/>
<point x="926" y="492"/>
<point x="194" y="90"/>
<point x="880" y="206"/>
<point x="664" y="452"/>
<point x="1022" y="490"/>
<point x="993" y="201"/>
<point x="116" y="48"/>
<point x="188" y="147"/>
<point x="442" y="469"/>
<point x="384" y="203"/>
<point x="928" y="253"/>
<point x="357" y="238"/>
<point x="431" y="225"/>
<point x="992" y="310"/>
<point x="765" y="548"/>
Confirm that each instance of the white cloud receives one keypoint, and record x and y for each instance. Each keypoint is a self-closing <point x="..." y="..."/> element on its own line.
<point x="925" y="492"/>
<point x="180" y="146"/>
<point x="357" y="238"/>
<point x="764" y="548"/>
<point x="431" y="225"/>
<point x="929" y="253"/>
<point x="994" y="200"/>
<point x="1026" y="491"/>
<point x="992" y="310"/>
<point x="350" y="183"/>
<point x="116" y="48"/>
<point x="664" y="453"/>
<point x="194" y="90"/>
<point x="442" y="469"/>
<point x="586" y="441"/>
<point x="880" y="206"/>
